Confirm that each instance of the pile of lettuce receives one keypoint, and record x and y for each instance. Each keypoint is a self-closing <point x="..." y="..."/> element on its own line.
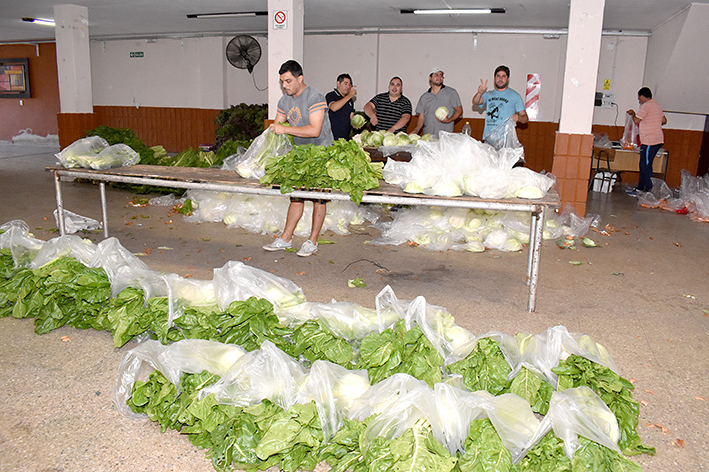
<point x="387" y="138"/>
<point x="383" y="390"/>
<point x="343" y="166"/>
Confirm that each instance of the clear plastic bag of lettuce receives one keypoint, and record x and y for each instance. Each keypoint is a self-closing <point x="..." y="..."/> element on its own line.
<point x="15" y="235"/>
<point x="266" y="373"/>
<point x="187" y="356"/>
<point x="578" y="412"/>
<point x="268" y="144"/>
<point x="504" y="135"/>
<point x="334" y="389"/>
<point x="94" y="152"/>
<point x="237" y="281"/>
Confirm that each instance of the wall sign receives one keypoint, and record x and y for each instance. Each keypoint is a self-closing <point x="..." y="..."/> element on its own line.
<point x="14" y="78"/>
<point x="136" y="54"/>
<point x="280" y="19"/>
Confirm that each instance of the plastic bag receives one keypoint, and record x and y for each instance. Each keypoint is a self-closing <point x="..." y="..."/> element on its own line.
<point x="168" y="200"/>
<point x="391" y="150"/>
<point x="267" y="144"/>
<point x="230" y="162"/>
<point x="117" y="155"/>
<point x="542" y="352"/>
<point x="74" y="223"/>
<point x="26" y="137"/>
<point x="403" y="409"/>
<point x="577" y="225"/>
<point x="630" y="134"/>
<point x="347" y="320"/>
<point x="189" y="355"/>
<point x="94" y="152"/>
<point x="264" y="373"/>
<point x="15" y="235"/>
<point x="237" y="281"/>
<point x="379" y="397"/>
<point x="504" y="135"/>
<point x="514" y="421"/>
<point x="658" y="195"/>
<point x="83" y="250"/>
<point x="78" y="153"/>
<point x="574" y="412"/>
<point x="126" y="270"/>
<point x="334" y="389"/>
<point x="601" y="140"/>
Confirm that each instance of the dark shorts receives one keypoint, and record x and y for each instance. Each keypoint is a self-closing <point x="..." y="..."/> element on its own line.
<point x="314" y="200"/>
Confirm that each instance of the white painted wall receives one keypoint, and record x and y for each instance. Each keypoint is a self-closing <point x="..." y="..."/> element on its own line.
<point x="687" y="65"/>
<point x="194" y="73"/>
<point x="622" y="62"/>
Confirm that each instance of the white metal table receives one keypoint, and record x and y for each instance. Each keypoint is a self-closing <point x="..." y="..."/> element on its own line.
<point x="229" y="181"/>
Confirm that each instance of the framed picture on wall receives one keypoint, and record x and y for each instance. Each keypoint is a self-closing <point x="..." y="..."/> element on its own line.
<point x="14" y="78"/>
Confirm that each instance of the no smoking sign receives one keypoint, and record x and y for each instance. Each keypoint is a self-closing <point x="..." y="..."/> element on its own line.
<point x="280" y="19"/>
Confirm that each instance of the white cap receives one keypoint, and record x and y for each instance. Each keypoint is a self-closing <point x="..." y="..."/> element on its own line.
<point x="435" y="69"/>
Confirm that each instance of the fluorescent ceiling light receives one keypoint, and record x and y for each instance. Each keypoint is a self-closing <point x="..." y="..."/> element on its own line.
<point x="39" y="21"/>
<point x="455" y="11"/>
<point x="244" y="14"/>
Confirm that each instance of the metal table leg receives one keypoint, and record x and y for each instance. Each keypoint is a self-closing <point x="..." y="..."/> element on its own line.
<point x="535" y="248"/>
<point x="60" y="205"/>
<point x="532" y="231"/>
<point x="104" y="213"/>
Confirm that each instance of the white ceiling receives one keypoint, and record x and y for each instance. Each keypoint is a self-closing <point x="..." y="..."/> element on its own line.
<point x="143" y="18"/>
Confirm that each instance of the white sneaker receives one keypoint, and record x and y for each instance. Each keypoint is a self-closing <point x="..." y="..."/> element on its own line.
<point x="278" y="245"/>
<point x="307" y="249"/>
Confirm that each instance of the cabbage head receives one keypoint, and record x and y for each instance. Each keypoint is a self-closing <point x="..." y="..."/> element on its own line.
<point x="358" y="121"/>
<point x="390" y="141"/>
<point x="441" y="113"/>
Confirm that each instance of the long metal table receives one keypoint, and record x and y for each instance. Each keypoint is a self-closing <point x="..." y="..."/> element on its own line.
<point x="229" y="181"/>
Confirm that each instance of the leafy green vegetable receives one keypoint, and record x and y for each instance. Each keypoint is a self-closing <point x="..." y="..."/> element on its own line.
<point x="313" y="341"/>
<point x="344" y="166"/>
<point x="128" y="137"/>
<point x="614" y="390"/>
<point x="185" y="208"/>
<point x="484" y="451"/>
<point x="294" y="437"/>
<point x="358" y="282"/>
<point x="592" y="457"/>
<point x="534" y="389"/>
<point x="485" y="368"/>
<point x="241" y="122"/>
<point x="415" y="450"/>
<point x="400" y="351"/>
<point x="547" y="456"/>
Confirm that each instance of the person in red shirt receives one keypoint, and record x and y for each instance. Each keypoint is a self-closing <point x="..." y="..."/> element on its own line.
<point x="649" y="119"/>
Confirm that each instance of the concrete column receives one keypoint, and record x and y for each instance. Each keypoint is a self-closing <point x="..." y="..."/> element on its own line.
<point x="73" y="58"/>
<point x="285" y="41"/>
<point x="573" y="149"/>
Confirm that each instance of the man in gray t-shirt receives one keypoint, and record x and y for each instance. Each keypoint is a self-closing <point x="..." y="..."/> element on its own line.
<point x="438" y="95"/>
<point x="304" y="108"/>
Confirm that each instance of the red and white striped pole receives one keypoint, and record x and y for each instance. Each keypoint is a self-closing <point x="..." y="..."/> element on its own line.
<point x="531" y="100"/>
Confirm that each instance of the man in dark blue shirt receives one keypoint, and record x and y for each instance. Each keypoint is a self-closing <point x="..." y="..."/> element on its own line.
<point x="340" y="103"/>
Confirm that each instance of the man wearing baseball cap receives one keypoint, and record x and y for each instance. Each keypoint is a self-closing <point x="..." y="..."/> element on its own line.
<point x="438" y="95"/>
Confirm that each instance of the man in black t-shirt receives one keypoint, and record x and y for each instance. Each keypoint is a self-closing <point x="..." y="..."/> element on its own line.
<point x="340" y="103"/>
<point x="390" y="111"/>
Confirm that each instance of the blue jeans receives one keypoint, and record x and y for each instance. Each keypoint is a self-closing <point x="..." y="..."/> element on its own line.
<point x="647" y="155"/>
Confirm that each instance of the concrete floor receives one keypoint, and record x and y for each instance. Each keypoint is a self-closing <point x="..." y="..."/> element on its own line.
<point x="644" y="295"/>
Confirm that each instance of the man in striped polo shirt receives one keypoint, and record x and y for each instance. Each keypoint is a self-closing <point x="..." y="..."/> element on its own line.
<point x="389" y="111"/>
<point x="650" y="119"/>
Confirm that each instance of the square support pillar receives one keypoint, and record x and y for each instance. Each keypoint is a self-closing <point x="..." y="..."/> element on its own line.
<point x="572" y="168"/>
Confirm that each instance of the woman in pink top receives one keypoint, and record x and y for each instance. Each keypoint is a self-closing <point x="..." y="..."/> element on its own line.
<point x="650" y="119"/>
